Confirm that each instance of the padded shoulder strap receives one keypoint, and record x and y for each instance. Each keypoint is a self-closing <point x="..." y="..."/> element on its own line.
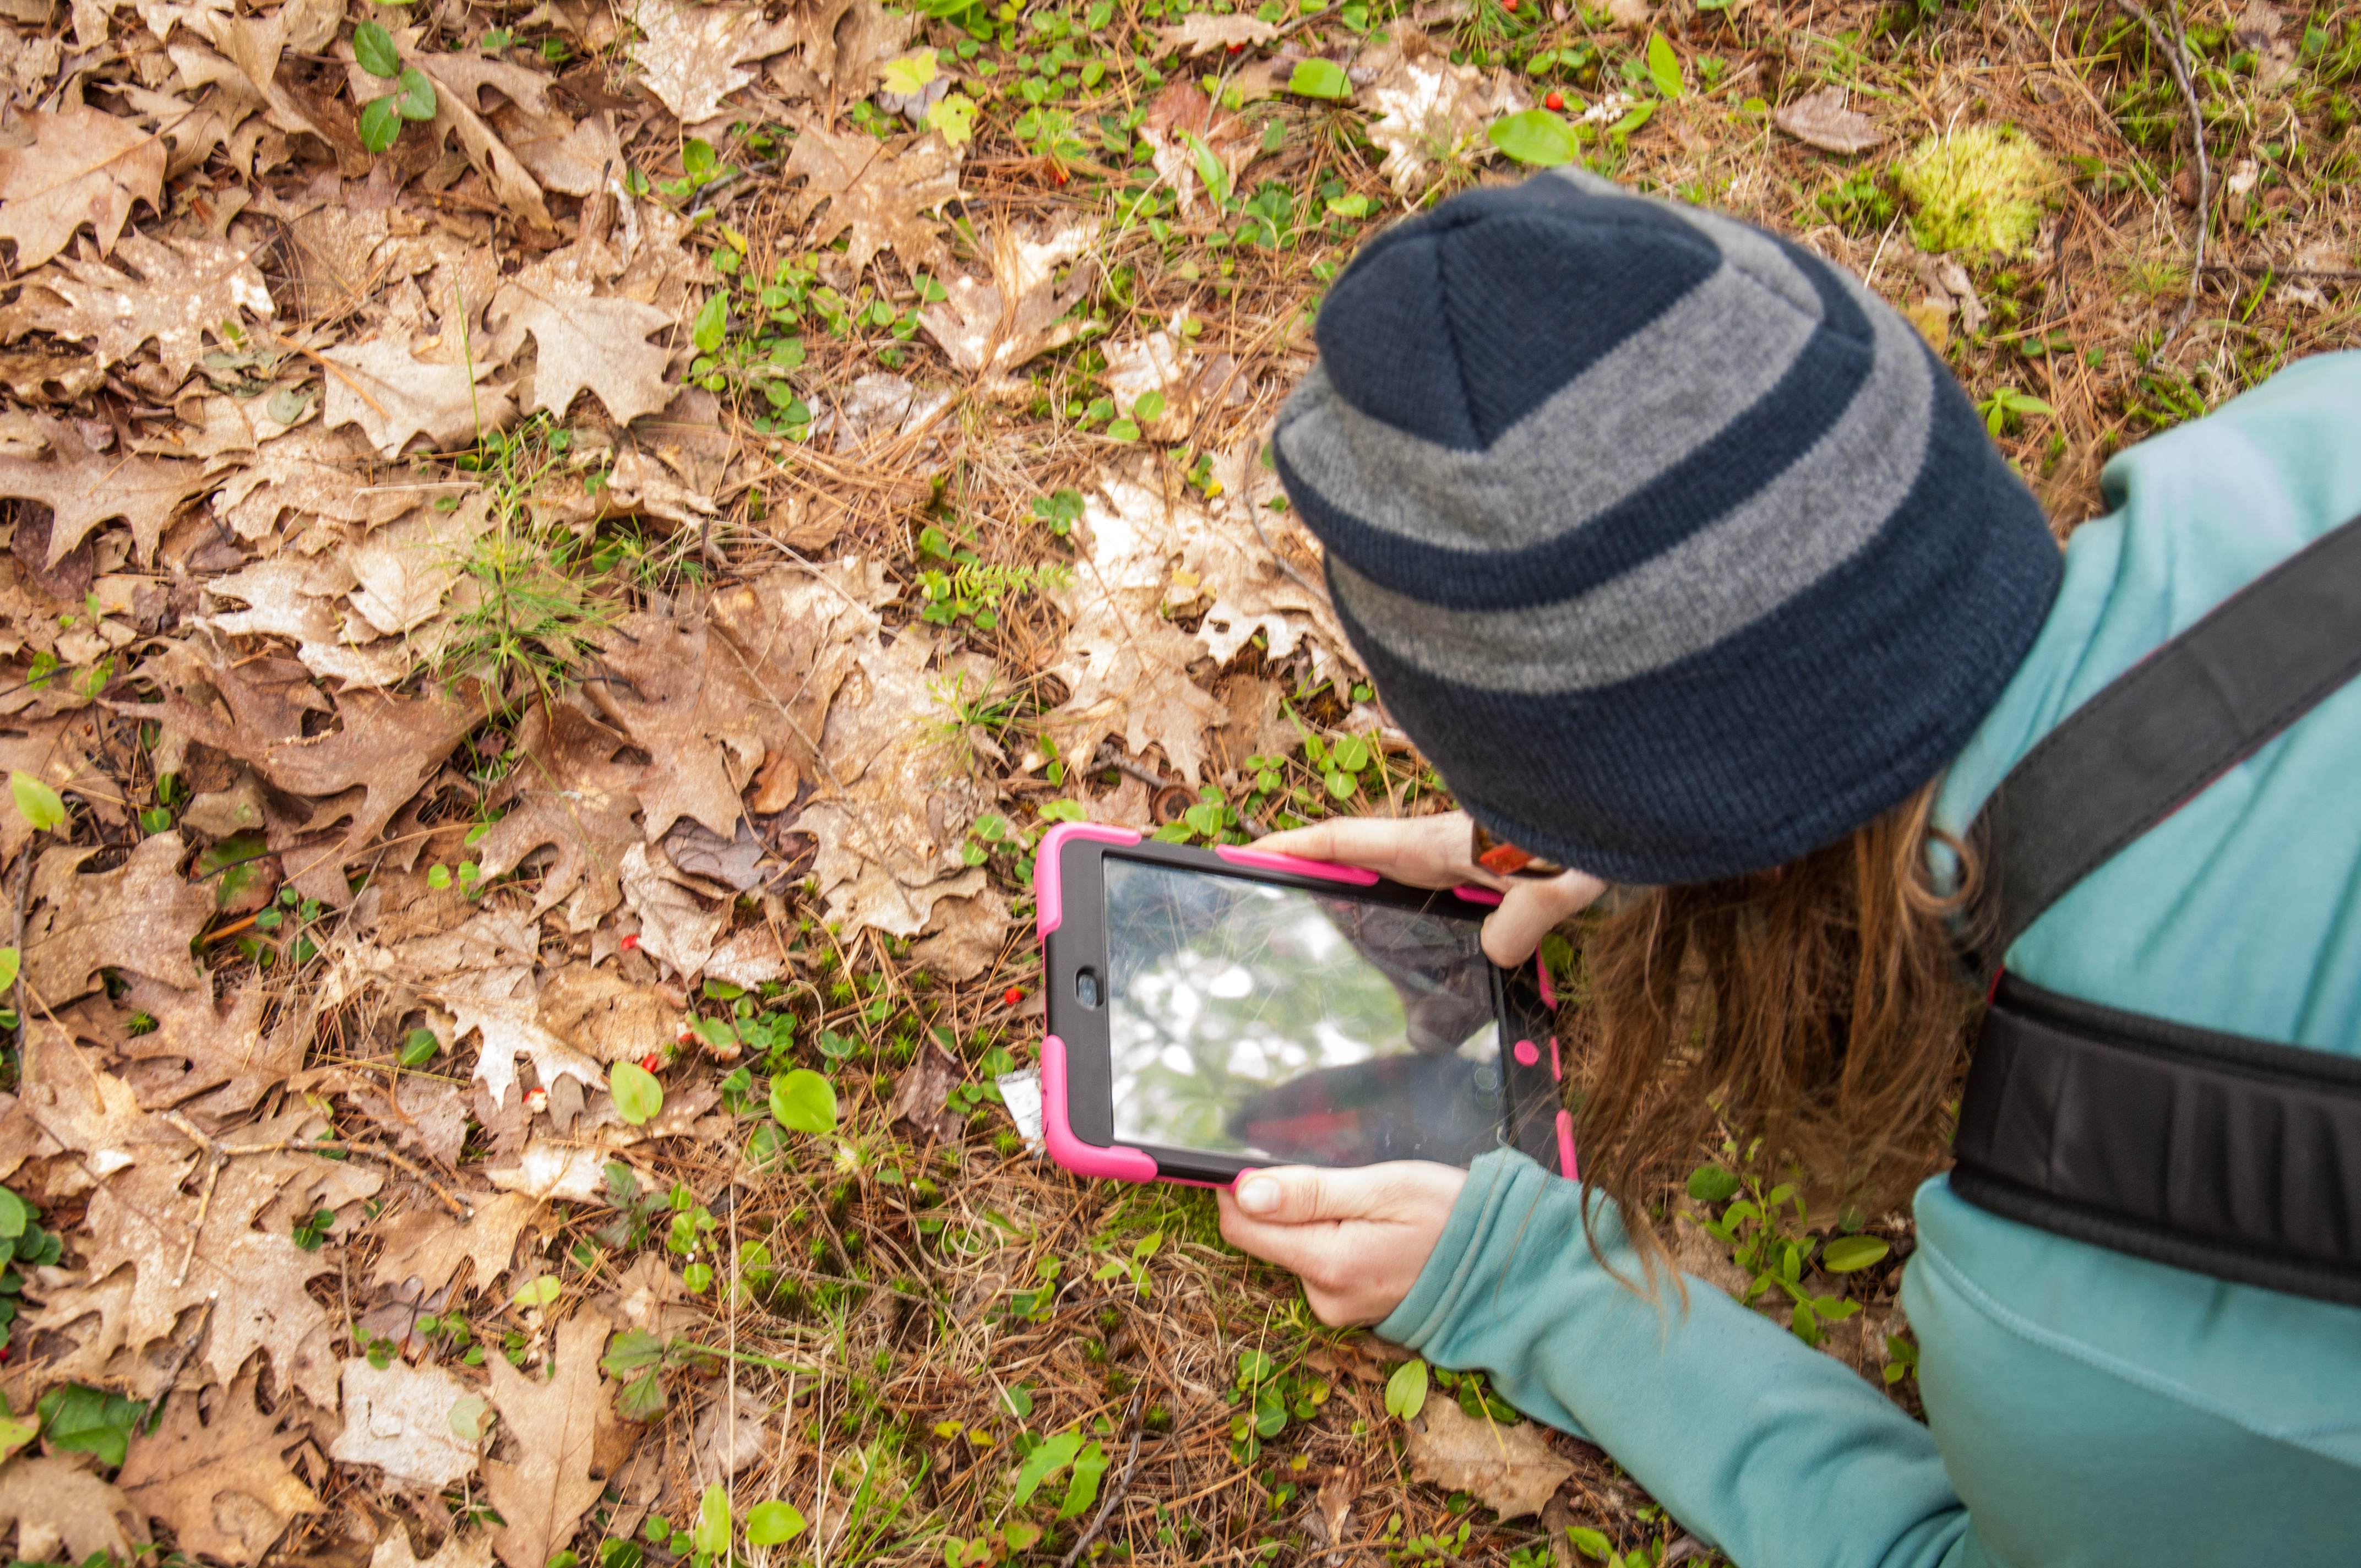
<point x="2163" y="731"/>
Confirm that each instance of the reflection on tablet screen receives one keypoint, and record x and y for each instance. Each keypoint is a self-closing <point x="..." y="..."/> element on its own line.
<point x="1277" y="1024"/>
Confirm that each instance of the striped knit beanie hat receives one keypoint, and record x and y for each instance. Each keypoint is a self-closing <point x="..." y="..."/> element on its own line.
<point x="1670" y="545"/>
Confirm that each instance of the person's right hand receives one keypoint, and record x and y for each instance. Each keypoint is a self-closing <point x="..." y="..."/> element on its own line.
<point x="1357" y="1238"/>
<point x="1432" y="851"/>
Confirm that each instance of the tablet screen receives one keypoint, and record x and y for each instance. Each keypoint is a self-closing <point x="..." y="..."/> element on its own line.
<point x="1273" y="1023"/>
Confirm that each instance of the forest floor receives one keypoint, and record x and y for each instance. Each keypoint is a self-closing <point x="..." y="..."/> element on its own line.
<point x="560" y="562"/>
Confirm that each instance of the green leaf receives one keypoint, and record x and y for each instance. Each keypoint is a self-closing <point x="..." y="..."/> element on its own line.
<point x="1846" y="1254"/>
<point x="1664" y="66"/>
<point x="538" y="1292"/>
<point x="699" y="161"/>
<point x="772" y="1524"/>
<point x="89" y="1420"/>
<point x="14" y="1215"/>
<point x="1638" y="116"/>
<point x="1589" y="1542"/>
<point x="415" y="95"/>
<point x="1317" y="78"/>
<point x="1406" y="1390"/>
<point x="1022" y="1535"/>
<point x="37" y="803"/>
<point x="1537" y="137"/>
<point x="1083" y="1490"/>
<point x="1712" y="1184"/>
<point x="712" y="323"/>
<point x="906" y="75"/>
<point x="953" y="117"/>
<point x="638" y="1095"/>
<point x="381" y="124"/>
<point x="804" y="1102"/>
<point x="630" y="1352"/>
<point x="9" y="963"/>
<point x="471" y="1418"/>
<point x="15" y="1434"/>
<point x="1053" y="1455"/>
<point x="1150" y="407"/>
<point x="1124" y="430"/>
<point x="641" y="1399"/>
<point x="1255" y="1368"/>
<point x="713" y="1520"/>
<point x="419" y="1046"/>
<point x="373" y="46"/>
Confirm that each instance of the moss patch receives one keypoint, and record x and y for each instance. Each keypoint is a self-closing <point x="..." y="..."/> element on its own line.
<point x="1977" y="190"/>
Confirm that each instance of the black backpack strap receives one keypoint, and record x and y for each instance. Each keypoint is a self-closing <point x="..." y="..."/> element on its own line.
<point x="2233" y="1157"/>
<point x="2162" y="732"/>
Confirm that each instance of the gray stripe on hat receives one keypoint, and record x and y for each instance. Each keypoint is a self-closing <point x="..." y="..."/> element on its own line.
<point x="1601" y="438"/>
<point x="1784" y="538"/>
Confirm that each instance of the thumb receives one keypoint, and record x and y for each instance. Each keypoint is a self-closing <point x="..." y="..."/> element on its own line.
<point x="1291" y="1194"/>
<point x="1531" y="910"/>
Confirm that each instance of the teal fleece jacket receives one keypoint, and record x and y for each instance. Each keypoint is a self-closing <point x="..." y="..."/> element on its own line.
<point x="2083" y="1407"/>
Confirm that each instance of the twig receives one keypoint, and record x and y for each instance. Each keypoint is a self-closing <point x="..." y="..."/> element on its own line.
<point x="187" y="1347"/>
<point x="326" y="1147"/>
<point x="1115" y="1494"/>
<point x="2174" y="51"/>
<point x="1108" y="757"/>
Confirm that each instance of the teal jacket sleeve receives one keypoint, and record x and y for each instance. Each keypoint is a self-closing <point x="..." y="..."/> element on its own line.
<point x="1773" y="1453"/>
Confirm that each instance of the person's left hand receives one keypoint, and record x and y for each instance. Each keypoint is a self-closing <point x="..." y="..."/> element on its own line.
<point x="1359" y="1237"/>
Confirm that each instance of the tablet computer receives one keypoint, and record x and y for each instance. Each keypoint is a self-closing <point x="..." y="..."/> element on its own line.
<point x="1213" y="1011"/>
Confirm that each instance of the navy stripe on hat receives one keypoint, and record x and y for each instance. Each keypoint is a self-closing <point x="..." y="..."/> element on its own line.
<point x="1670" y="585"/>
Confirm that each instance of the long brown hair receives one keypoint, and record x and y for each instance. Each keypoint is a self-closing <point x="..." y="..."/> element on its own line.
<point x="1816" y="1006"/>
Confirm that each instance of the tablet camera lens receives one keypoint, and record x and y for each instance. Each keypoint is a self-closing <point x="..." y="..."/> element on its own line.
<point x="1086" y="988"/>
<point x="1488" y="1079"/>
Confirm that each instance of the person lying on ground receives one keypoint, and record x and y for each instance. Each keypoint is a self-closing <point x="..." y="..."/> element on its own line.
<point x="1691" y="569"/>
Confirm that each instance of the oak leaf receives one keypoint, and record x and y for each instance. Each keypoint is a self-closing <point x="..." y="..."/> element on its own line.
<point x="675" y="925"/>
<point x="1202" y="32"/>
<point x="52" y="1502"/>
<point x="992" y="327"/>
<point x="573" y="796"/>
<point x="875" y="191"/>
<point x="315" y="472"/>
<point x="602" y="1015"/>
<point x="544" y="1492"/>
<point x="398" y="1417"/>
<point x="140" y="916"/>
<point x="393" y="396"/>
<point x="964" y="937"/>
<point x="83" y="488"/>
<point x="459" y="79"/>
<point x="429" y="1245"/>
<point x="81" y="1107"/>
<point x="688" y="55"/>
<point x="174" y="292"/>
<point x="82" y="166"/>
<point x="597" y="343"/>
<point x="253" y="44"/>
<point x="223" y="1486"/>
<point x="227" y="1063"/>
<point x="1429" y="112"/>
<point x="483" y="973"/>
<point x="1510" y="1469"/>
<point x="1820" y="119"/>
<point x="457" y="1551"/>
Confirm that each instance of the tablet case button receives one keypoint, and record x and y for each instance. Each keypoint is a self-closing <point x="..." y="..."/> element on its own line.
<point x="1527" y="1053"/>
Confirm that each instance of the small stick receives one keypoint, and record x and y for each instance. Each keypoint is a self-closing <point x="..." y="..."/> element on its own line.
<point x="458" y="1206"/>
<point x="187" y="1347"/>
<point x="1122" y="1484"/>
<point x="2172" y="52"/>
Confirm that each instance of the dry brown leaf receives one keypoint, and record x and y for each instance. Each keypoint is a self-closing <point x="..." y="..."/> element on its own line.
<point x="898" y="795"/>
<point x="688" y="55"/>
<point x="83" y="488"/>
<point x="992" y="328"/>
<point x="571" y="794"/>
<point x="223" y="1486"/>
<point x="457" y="1551"/>
<point x="459" y="78"/>
<point x="173" y="291"/>
<point x="88" y="1111"/>
<point x="399" y="1418"/>
<point x="1337" y="1494"/>
<point x="140" y="1223"/>
<point x="876" y="192"/>
<point x="394" y="396"/>
<point x="675" y="924"/>
<point x="51" y="750"/>
<point x="422" y="1113"/>
<point x="577" y="159"/>
<point x="1201" y="33"/>
<point x="1820" y="119"/>
<point x="403" y="573"/>
<point x="598" y="344"/>
<point x="1427" y="111"/>
<point x="225" y="1062"/>
<point x="543" y="1494"/>
<point x="920" y="1093"/>
<point x="315" y="472"/>
<point x="483" y="973"/>
<point x="52" y="1501"/>
<point x="429" y="1245"/>
<point x="849" y="42"/>
<point x="253" y="45"/>
<point x="964" y="937"/>
<point x="602" y="1015"/>
<point x="1511" y="1470"/>
<point x="82" y="166"/>
<point x="140" y="916"/>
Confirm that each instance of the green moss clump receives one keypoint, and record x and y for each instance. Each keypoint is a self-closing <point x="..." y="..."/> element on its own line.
<point x="1977" y="190"/>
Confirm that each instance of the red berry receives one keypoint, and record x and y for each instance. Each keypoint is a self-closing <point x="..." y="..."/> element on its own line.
<point x="1508" y="5"/>
<point x="1237" y="49"/>
<point x="630" y="942"/>
<point x="1555" y="101"/>
<point x="652" y="1062"/>
<point x="1011" y="996"/>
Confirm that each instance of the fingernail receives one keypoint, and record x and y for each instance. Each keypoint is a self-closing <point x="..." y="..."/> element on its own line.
<point x="1257" y="1194"/>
